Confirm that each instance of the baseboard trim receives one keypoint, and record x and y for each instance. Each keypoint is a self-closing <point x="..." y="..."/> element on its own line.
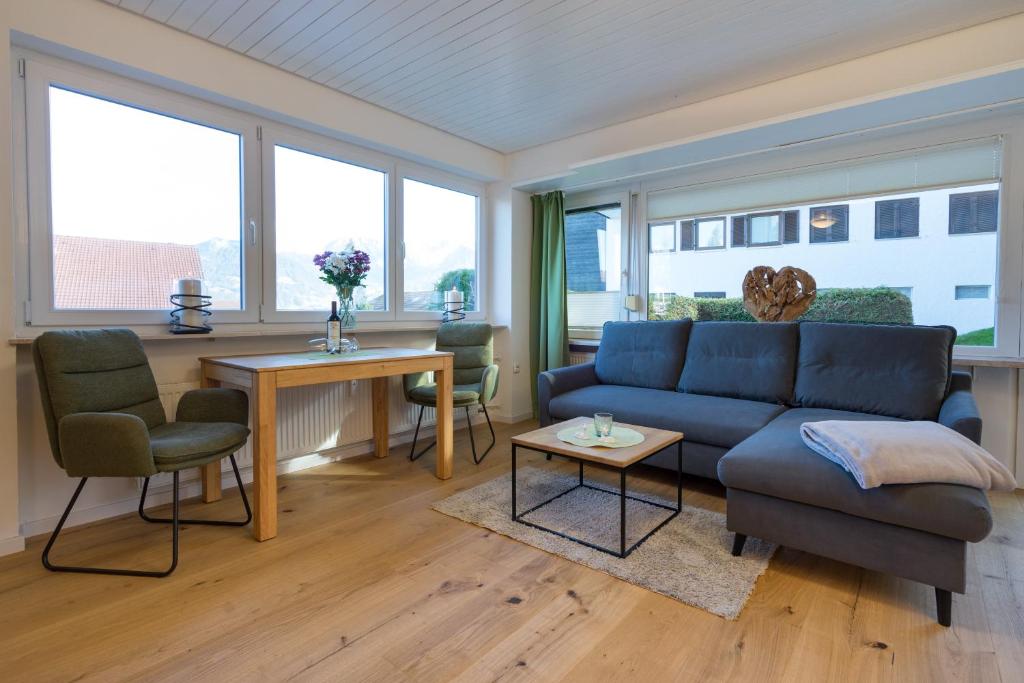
<point x="511" y="419"/>
<point x="14" y="544"/>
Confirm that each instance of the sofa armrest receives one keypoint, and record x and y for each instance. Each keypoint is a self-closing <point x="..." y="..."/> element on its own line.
<point x="214" y="405"/>
<point x="959" y="411"/>
<point x="552" y="383"/>
<point x="105" y="445"/>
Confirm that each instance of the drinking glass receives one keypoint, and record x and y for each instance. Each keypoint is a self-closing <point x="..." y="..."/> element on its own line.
<point x="603" y="424"/>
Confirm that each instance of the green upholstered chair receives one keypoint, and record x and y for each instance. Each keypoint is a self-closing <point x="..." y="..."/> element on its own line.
<point x="475" y="378"/>
<point x="104" y="419"/>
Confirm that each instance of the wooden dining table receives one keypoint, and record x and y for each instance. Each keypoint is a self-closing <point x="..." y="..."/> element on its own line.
<point x="262" y="375"/>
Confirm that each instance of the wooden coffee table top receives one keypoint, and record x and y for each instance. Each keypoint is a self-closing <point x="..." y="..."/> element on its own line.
<point x="545" y="439"/>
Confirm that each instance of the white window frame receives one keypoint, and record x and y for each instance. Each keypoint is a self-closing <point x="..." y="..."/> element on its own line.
<point x="40" y="74"/>
<point x="586" y="200"/>
<point x="328" y="148"/>
<point x="1009" y="304"/>
<point x="447" y="181"/>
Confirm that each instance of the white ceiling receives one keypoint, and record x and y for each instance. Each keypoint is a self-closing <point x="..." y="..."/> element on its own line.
<point x="511" y="74"/>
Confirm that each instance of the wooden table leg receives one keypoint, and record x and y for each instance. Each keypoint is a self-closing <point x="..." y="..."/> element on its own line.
<point x="443" y="378"/>
<point x="209" y="474"/>
<point x="380" y="417"/>
<point x="264" y="449"/>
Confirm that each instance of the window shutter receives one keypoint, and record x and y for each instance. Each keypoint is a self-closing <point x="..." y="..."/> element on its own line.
<point x="686" y="236"/>
<point x="885" y="219"/>
<point x="791" y="227"/>
<point x="960" y="213"/>
<point x="739" y="231"/>
<point x="972" y="212"/>
<point x="907" y="212"/>
<point x="840" y="230"/>
<point x="988" y="211"/>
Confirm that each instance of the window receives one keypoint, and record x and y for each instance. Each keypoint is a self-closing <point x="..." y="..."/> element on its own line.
<point x="322" y="204"/>
<point x="830" y="223"/>
<point x="137" y="201"/>
<point x="896" y="218"/>
<point x="973" y="212"/>
<point x="710" y="233"/>
<point x="853" y="276"/>
<point x="766" y="229"/>
<point x="593" y="262"/>
<point x="905" y="291"/>
<point x="440" y="228"/>
<point x="971" y="292"/>
<point x="130" y="187"/>
<point x="662" y="237"/>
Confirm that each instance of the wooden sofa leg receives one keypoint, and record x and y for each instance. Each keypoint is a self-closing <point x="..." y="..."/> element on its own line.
<point x="737" y="544"/>
<point x="944" y="606"/>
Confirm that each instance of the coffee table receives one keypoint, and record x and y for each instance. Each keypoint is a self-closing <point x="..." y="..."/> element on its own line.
<point x="545" y="440"/>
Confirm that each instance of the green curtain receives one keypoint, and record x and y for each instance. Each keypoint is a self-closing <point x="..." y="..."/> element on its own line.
<point x="549" y="322"/>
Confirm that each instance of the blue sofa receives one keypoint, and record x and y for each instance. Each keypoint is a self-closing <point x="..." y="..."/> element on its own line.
<point x="739" y="393"/>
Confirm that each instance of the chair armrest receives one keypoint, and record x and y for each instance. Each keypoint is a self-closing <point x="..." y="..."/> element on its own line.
<point x="959" y="411"/>
<point x="105" y="445"/>
<point x="552" y="383"/>
<point x="489" y="384"/>
<point x="214" y="405"/>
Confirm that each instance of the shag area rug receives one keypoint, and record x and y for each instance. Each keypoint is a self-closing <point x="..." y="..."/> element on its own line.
<point x="689" y="559"/>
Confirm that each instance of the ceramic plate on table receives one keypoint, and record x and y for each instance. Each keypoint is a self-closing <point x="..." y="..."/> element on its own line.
<point x="621" y="437"/>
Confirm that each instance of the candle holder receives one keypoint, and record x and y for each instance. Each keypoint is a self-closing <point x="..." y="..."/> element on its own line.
<point x="190" y="308"/>
<point x="178" y="326"/>
<point x="454" y="307"/>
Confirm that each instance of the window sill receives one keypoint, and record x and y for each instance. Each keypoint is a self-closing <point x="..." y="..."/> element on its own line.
<point x="159" y="333"/>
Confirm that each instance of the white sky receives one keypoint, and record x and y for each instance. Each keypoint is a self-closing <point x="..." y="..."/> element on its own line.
<point x="124" y="173"/>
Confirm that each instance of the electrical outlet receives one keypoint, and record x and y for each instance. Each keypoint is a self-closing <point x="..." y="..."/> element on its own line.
<point x="515" y="368"/>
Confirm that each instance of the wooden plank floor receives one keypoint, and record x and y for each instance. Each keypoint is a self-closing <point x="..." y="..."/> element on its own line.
<point x="366" y="582"/>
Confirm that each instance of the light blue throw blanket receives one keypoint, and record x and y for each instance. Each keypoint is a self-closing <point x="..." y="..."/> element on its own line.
<point x="890" y="452"/>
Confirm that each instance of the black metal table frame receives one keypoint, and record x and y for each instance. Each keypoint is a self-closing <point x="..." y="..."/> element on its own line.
<point x="623" y="551"/>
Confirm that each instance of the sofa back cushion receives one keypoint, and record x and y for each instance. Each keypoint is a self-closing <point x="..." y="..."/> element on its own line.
<point x="896" y="370"/>
<point x="754" y="361"/>
<point x="642" y="354"/>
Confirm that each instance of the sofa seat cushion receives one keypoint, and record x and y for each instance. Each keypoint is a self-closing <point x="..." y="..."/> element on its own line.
<point x="755" y="361"/>
<point x="642" y="353"/>
<point x="702" y="419"/>
<point x="775" y="462"/>
<point x="177" y="445"/>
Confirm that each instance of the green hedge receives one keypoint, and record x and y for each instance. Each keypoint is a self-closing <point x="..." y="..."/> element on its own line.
<point x="853" y="305"/>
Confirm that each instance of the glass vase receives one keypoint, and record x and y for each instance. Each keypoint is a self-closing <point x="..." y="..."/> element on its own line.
<point x="346" y="308"/>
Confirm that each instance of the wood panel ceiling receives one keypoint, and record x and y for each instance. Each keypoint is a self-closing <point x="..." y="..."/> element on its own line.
<point x="511" y="74"/>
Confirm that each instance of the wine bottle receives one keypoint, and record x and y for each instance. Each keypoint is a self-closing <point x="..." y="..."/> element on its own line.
<point x="333" y="329"/>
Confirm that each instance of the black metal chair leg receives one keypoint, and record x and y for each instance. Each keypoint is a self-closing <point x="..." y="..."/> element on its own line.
<point x="116" y="572"/>
<point x="472" y="441"/>
<point x="493" y="438"/>
<point x="206" y="522"/>
<point x="413" y="455"/>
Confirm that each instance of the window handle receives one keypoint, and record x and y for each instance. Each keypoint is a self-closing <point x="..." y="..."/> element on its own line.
<point x="252" y="231"/>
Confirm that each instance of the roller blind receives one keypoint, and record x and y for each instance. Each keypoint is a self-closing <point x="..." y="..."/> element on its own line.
<point x="962" y="163"/>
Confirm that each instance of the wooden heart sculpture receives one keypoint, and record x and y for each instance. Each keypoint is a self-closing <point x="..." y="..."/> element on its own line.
<point x="771" y="296"/>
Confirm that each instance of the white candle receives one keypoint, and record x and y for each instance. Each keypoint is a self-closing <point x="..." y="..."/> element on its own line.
<point x="191" y="288"/>
<point x="453" y="296"/>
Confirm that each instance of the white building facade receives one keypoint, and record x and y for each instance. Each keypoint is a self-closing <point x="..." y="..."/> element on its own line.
<point x="939" y="247"/>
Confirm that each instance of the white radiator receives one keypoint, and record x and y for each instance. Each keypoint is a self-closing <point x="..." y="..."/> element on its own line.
<point x="316" y="419"/>
<point x="578" y="358"/>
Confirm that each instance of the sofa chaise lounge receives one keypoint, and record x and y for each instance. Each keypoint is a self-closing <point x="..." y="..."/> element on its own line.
<point x="740" y="391"/>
